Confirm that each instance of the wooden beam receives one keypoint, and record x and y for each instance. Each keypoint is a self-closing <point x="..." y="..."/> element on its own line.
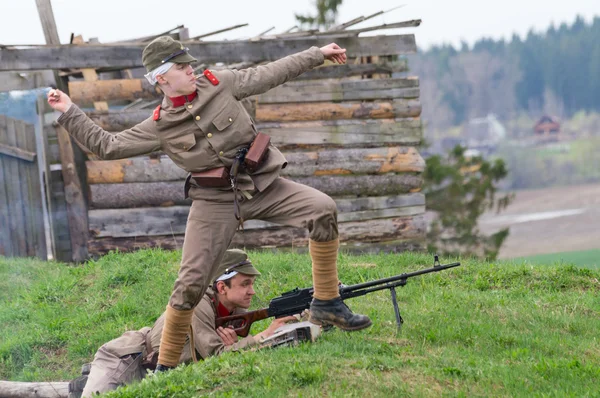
<point x="90" y="75"/>
<point x="344" y="133"/>
<point x="300" y="164"/>
<point x="51" y="34"/>
<point x="17" y="153"/>
<point x="156" y="221"/>
<point x="76" y="206"/>
<point x="85" y="92"/>
<point x="114" y="196"/>
<point x="410" y="229"/>
<point x="119" y="120"/>
<point x="130" y="56"/>
<point x="12" y="81"/>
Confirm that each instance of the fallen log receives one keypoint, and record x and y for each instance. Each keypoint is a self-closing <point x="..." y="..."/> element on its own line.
<point x="115" y="196"/>
<point x="400" y="108"/>
<point x="16" y="389"/>
<point x="300" y="164"/>
<point x="172" y="220"/>
<point x="363" y="232"/>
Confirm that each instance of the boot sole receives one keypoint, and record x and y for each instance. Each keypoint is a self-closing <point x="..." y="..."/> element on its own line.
<point x="344" y="328"/>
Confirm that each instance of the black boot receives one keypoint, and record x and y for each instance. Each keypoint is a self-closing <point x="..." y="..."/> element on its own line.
<point x="162" y="368"/>
<point x="335" y="312"/>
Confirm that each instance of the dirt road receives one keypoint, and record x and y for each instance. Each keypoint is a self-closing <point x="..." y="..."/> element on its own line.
<point x="549" y="220"/>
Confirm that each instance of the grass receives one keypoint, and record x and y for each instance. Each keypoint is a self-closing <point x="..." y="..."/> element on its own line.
<point x="483" y="329"/>
<point x="586" y="258"/>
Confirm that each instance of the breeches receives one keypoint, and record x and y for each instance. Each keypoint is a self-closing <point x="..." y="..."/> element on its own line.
<point x="211" y="226"/>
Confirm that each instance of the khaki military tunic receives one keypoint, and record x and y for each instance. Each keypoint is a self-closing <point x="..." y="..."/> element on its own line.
<point x="204" y="134"/>
<point x="119" y="362"/>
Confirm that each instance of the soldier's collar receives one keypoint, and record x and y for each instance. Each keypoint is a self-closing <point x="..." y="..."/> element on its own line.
<point x="183" y="99"/>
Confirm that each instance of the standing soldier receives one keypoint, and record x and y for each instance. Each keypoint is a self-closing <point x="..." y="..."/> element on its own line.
<point x="204" y="129"/>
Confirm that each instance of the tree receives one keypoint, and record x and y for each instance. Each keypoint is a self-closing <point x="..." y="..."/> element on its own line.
<point x="458" y="190"/>
<point x="327" y="11"/>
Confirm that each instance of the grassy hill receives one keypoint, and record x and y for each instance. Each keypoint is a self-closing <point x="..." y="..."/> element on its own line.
<point x="482" y="329"/>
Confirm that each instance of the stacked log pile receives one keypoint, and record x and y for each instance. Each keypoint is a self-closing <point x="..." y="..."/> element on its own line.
<point x="352" y="138"/>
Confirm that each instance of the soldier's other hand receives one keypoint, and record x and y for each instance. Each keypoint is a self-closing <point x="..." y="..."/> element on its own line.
<point x="58" y="100"/>
<point x="277" y="322"/>
<point x="334" y="53"/>
<point x="228" y="335"/>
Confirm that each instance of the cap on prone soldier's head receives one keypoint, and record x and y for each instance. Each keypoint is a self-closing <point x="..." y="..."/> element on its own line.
<point x="235" y="261"/>
<point x="165" y="49"/>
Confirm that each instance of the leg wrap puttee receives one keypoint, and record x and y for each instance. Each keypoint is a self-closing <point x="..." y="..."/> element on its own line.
<point x="174" y="334"/>
<point x="324" y="268"/>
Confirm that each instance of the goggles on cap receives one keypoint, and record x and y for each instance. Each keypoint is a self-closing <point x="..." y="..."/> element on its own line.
<point x="175" y="54"/>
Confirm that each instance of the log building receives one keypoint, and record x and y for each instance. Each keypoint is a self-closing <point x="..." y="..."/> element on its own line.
<point x="351" y="131"/>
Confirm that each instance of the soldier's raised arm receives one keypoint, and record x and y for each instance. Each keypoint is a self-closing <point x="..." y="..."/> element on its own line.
<point x="252" y="81"/>
<point x="139" y="140"/>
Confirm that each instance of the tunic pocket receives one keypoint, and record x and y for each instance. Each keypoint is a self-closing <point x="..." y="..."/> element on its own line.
<point x="181" y="144"/>
<point x="226" y="117"/>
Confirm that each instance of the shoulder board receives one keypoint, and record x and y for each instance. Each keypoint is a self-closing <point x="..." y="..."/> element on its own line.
<point x="156" y="114"/>
<point x="211" y="77"/>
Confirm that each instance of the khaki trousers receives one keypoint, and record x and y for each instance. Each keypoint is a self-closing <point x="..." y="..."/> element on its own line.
<point x="211" y="226"/>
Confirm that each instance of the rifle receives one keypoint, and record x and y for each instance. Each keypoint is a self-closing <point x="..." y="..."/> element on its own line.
<point x="297" y="300"/>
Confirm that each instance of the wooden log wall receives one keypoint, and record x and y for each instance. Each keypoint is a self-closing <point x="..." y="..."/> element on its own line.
<point x="348" y="135"/>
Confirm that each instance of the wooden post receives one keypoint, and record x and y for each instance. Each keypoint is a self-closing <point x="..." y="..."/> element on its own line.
<point x="76" y="205"/>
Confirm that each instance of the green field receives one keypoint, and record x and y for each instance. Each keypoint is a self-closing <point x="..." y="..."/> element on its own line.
<point x="587" y="258"/>
<point x="506" y="329"/>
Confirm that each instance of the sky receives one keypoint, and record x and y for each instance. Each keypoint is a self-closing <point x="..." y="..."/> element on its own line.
<point x="444" y="21"/>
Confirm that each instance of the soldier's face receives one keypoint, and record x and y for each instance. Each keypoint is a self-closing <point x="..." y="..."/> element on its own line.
<point x="180" y="80"/>
<point x="241" y="291"/>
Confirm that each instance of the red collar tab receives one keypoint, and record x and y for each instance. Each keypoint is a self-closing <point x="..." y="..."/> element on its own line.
<point x="222" y="311"/>
<point x="156" y="114"/>
<point x="211" y="77"/>
<point x="182" y="99"/>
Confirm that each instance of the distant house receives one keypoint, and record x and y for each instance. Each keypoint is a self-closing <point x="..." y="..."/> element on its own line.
<point x="484" y="134"/>
<point x="547" y="125"/>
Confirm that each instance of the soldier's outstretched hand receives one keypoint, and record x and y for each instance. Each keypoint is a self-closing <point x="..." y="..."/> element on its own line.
<point x="58" y="100"/>
<point x="334" y="53"/>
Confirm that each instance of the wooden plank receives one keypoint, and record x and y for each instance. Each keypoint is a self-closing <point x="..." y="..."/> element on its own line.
<point x="118" y="120"/>
<point x="62" y="239"/>
<point x="128" y="56"/>
<point x="85" y="92"/>
<point x="13" y="81"/>
<point x="312" y="111"/>
<point x="336" y="71"/>
<point x="300" y="164"/>
<point x="6" y="248"/>
<point x="76" y="206"/>
<point x="18" y="389"/>
<point x="342" y="90"/>
<point x="15" y="199"/>
<point x="153" y="221"/>
<point x="25" y="186"/>
<point x="43" y="108"/>
<point x="344" y="133"/>
<point x="378" y="231"/>
<point x="89" y="74"/>
<point x="17" y="152"/>
<point x="39" y="248"/>
<point x="51" y="35"/>
<point x="115" y="196"/>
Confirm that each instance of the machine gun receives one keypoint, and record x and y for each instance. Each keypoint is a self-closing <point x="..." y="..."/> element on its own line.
<point x="298" y="300"/>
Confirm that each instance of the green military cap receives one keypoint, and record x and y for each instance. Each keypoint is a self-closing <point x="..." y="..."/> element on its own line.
<point x="165" y="49"/>
<point x="235" y="261"/>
